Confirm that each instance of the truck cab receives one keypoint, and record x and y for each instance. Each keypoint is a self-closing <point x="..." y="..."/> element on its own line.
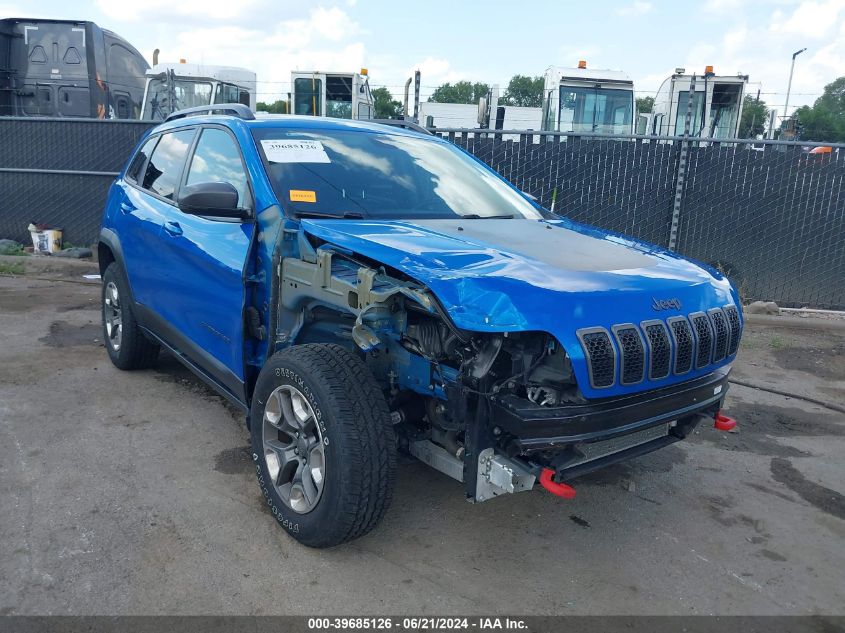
<point x="68" y="68"/>
<point x="582" y="100"/>
<point x="716" y="107"/>
<point x="332" y="94"/>
<point x="171" y="87"/>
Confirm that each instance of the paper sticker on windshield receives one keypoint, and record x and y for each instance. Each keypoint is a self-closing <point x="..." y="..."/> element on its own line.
<point x="298" y="195"/>
<point x="295" y="151"/>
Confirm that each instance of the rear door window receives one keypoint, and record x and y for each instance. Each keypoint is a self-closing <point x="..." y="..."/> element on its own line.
<point x="134" y="172"/>
<point x="164" y="170"/>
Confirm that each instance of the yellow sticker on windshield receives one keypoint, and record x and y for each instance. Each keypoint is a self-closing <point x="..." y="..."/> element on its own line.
<point x="298" y="195"/>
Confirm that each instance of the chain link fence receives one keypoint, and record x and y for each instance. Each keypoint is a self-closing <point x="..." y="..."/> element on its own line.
<point x="771" y="214"/>
<point x="58" y="172"/>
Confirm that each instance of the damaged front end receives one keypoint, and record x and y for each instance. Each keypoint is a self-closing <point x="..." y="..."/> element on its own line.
<point x="497" y="411"/>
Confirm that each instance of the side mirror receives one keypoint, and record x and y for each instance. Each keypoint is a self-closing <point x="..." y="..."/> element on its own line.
<point x="214" y="199"/>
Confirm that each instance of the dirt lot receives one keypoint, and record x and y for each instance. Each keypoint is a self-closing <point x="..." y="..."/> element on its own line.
<point x="130" y="493"/>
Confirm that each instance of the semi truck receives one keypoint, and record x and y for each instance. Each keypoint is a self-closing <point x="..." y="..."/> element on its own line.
<point x="68" y="68"/>
<point x="342" y="95"/>
<point x="583" y="100"/>
<point x="175" y="86"/>
<point x="716" y="105"/>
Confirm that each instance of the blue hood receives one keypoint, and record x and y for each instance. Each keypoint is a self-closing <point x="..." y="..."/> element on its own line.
<point x="499" y="275"/>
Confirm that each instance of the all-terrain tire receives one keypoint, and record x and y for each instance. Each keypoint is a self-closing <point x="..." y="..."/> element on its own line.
<point x="356" y="435"/>
<point x="134" y="350"/>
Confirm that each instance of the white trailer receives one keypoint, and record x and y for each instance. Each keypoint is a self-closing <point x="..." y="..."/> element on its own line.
<point x="516" y="118"/>
<point x="716" y="105"/>
<point x="471" y="116"/>
<point x="342" y="95"/>
<point x="462" y="115"/>
<point x="582" y="100"/>
<point x="172" y="87"/>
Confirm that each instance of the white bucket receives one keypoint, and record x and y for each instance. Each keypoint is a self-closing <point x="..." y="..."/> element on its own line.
<point x="47" y="241"/>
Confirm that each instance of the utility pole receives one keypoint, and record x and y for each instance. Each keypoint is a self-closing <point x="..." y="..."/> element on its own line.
<point x="789" y="85"/>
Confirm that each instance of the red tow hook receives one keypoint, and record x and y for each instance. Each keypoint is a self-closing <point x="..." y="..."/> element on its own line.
<point x="559" y="490"/>
<point x="724" y="423"/>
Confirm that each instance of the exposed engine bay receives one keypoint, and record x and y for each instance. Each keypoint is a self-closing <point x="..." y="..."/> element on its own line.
<point x="447" y="388"/>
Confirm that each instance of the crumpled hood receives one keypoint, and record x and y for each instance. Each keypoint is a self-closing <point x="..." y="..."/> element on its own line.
<point x="497" y="275"/>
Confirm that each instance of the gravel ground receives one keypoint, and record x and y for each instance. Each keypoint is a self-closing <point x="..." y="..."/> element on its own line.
<point x="132" y="493"/>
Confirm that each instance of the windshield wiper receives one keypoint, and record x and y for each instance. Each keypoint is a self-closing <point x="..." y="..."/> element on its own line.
<point x="352" y="215"/>
<point x="475" y="216"/>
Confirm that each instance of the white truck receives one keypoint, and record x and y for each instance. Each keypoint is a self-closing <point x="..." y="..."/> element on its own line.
<point x="583" y="100"/>
<point x="172" y="87"/>
<point x="716" y="105"/>
<point x="575" y="100"/>
<point x="342" y="95"/>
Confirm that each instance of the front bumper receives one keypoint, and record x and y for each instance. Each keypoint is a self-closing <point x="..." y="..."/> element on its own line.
<point x="533" y="428"/>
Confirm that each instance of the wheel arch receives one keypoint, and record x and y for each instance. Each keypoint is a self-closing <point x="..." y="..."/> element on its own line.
<point x="109" y="250"/>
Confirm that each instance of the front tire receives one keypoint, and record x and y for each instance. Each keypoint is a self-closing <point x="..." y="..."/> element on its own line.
<point x="323" y="444"/>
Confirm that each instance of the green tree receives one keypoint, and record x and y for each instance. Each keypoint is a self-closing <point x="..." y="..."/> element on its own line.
<point x="277" y="107"/>
<point x="825" y="121"/>
<point x="754" y="117"/>
<point x="523" y="91"/>
<point x="645" y="105"/>
<point x="460" y="92"/>
<point x="386" y="107"/>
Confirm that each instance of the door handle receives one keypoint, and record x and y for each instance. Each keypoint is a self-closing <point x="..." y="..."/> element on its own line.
<point x="173" y="228"/>
<point x="126" y="207"/>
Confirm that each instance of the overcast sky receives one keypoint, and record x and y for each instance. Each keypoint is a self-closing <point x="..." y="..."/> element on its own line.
<point x="482" y="41"/>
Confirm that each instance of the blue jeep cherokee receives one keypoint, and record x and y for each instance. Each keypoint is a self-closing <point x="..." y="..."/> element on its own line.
<point x="359" y="288"/>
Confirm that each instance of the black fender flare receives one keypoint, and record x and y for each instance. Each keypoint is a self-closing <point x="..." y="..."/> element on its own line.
<point x="109" y="239"/>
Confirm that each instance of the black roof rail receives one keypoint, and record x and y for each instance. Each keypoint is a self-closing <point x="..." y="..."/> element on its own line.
<point x="408" y="125"/>
<point x="232" y="109"/>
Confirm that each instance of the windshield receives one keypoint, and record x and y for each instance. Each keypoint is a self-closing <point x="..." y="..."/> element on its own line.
<point x="599" y="110"/>
<point x="383" y="175"/>
<point x="697" y="113"/>
<point x="724" y="110"/>
<point x="308" y="95"/>
<point x="166" y="96"/>
<point x="339" y="97"/>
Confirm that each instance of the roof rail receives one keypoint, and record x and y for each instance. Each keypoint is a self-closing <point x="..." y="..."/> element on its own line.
<point x="232" y="109"/>
<point x="408" y="125"/>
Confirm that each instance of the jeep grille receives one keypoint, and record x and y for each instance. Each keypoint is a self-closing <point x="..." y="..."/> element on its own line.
<point x="632" y="359"/>
<point x="732" y="315"/>
<point x="703" y="339"/>
<point x="721" y="334"/>
<point x="601" y="356"/>
<point x="657" y="349"/>
<point x="683" y="342"/>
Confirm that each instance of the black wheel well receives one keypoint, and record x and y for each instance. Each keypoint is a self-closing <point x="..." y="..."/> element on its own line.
<point x="104" y="256"/>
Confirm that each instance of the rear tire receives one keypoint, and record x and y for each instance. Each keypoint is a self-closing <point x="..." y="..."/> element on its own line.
<point x="126" y="344"/>
<point x="323" y="444"/>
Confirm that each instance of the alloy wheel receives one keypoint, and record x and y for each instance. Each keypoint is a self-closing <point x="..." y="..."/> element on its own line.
<point x="112" y="316"/>
<point x="293" y="449"/>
